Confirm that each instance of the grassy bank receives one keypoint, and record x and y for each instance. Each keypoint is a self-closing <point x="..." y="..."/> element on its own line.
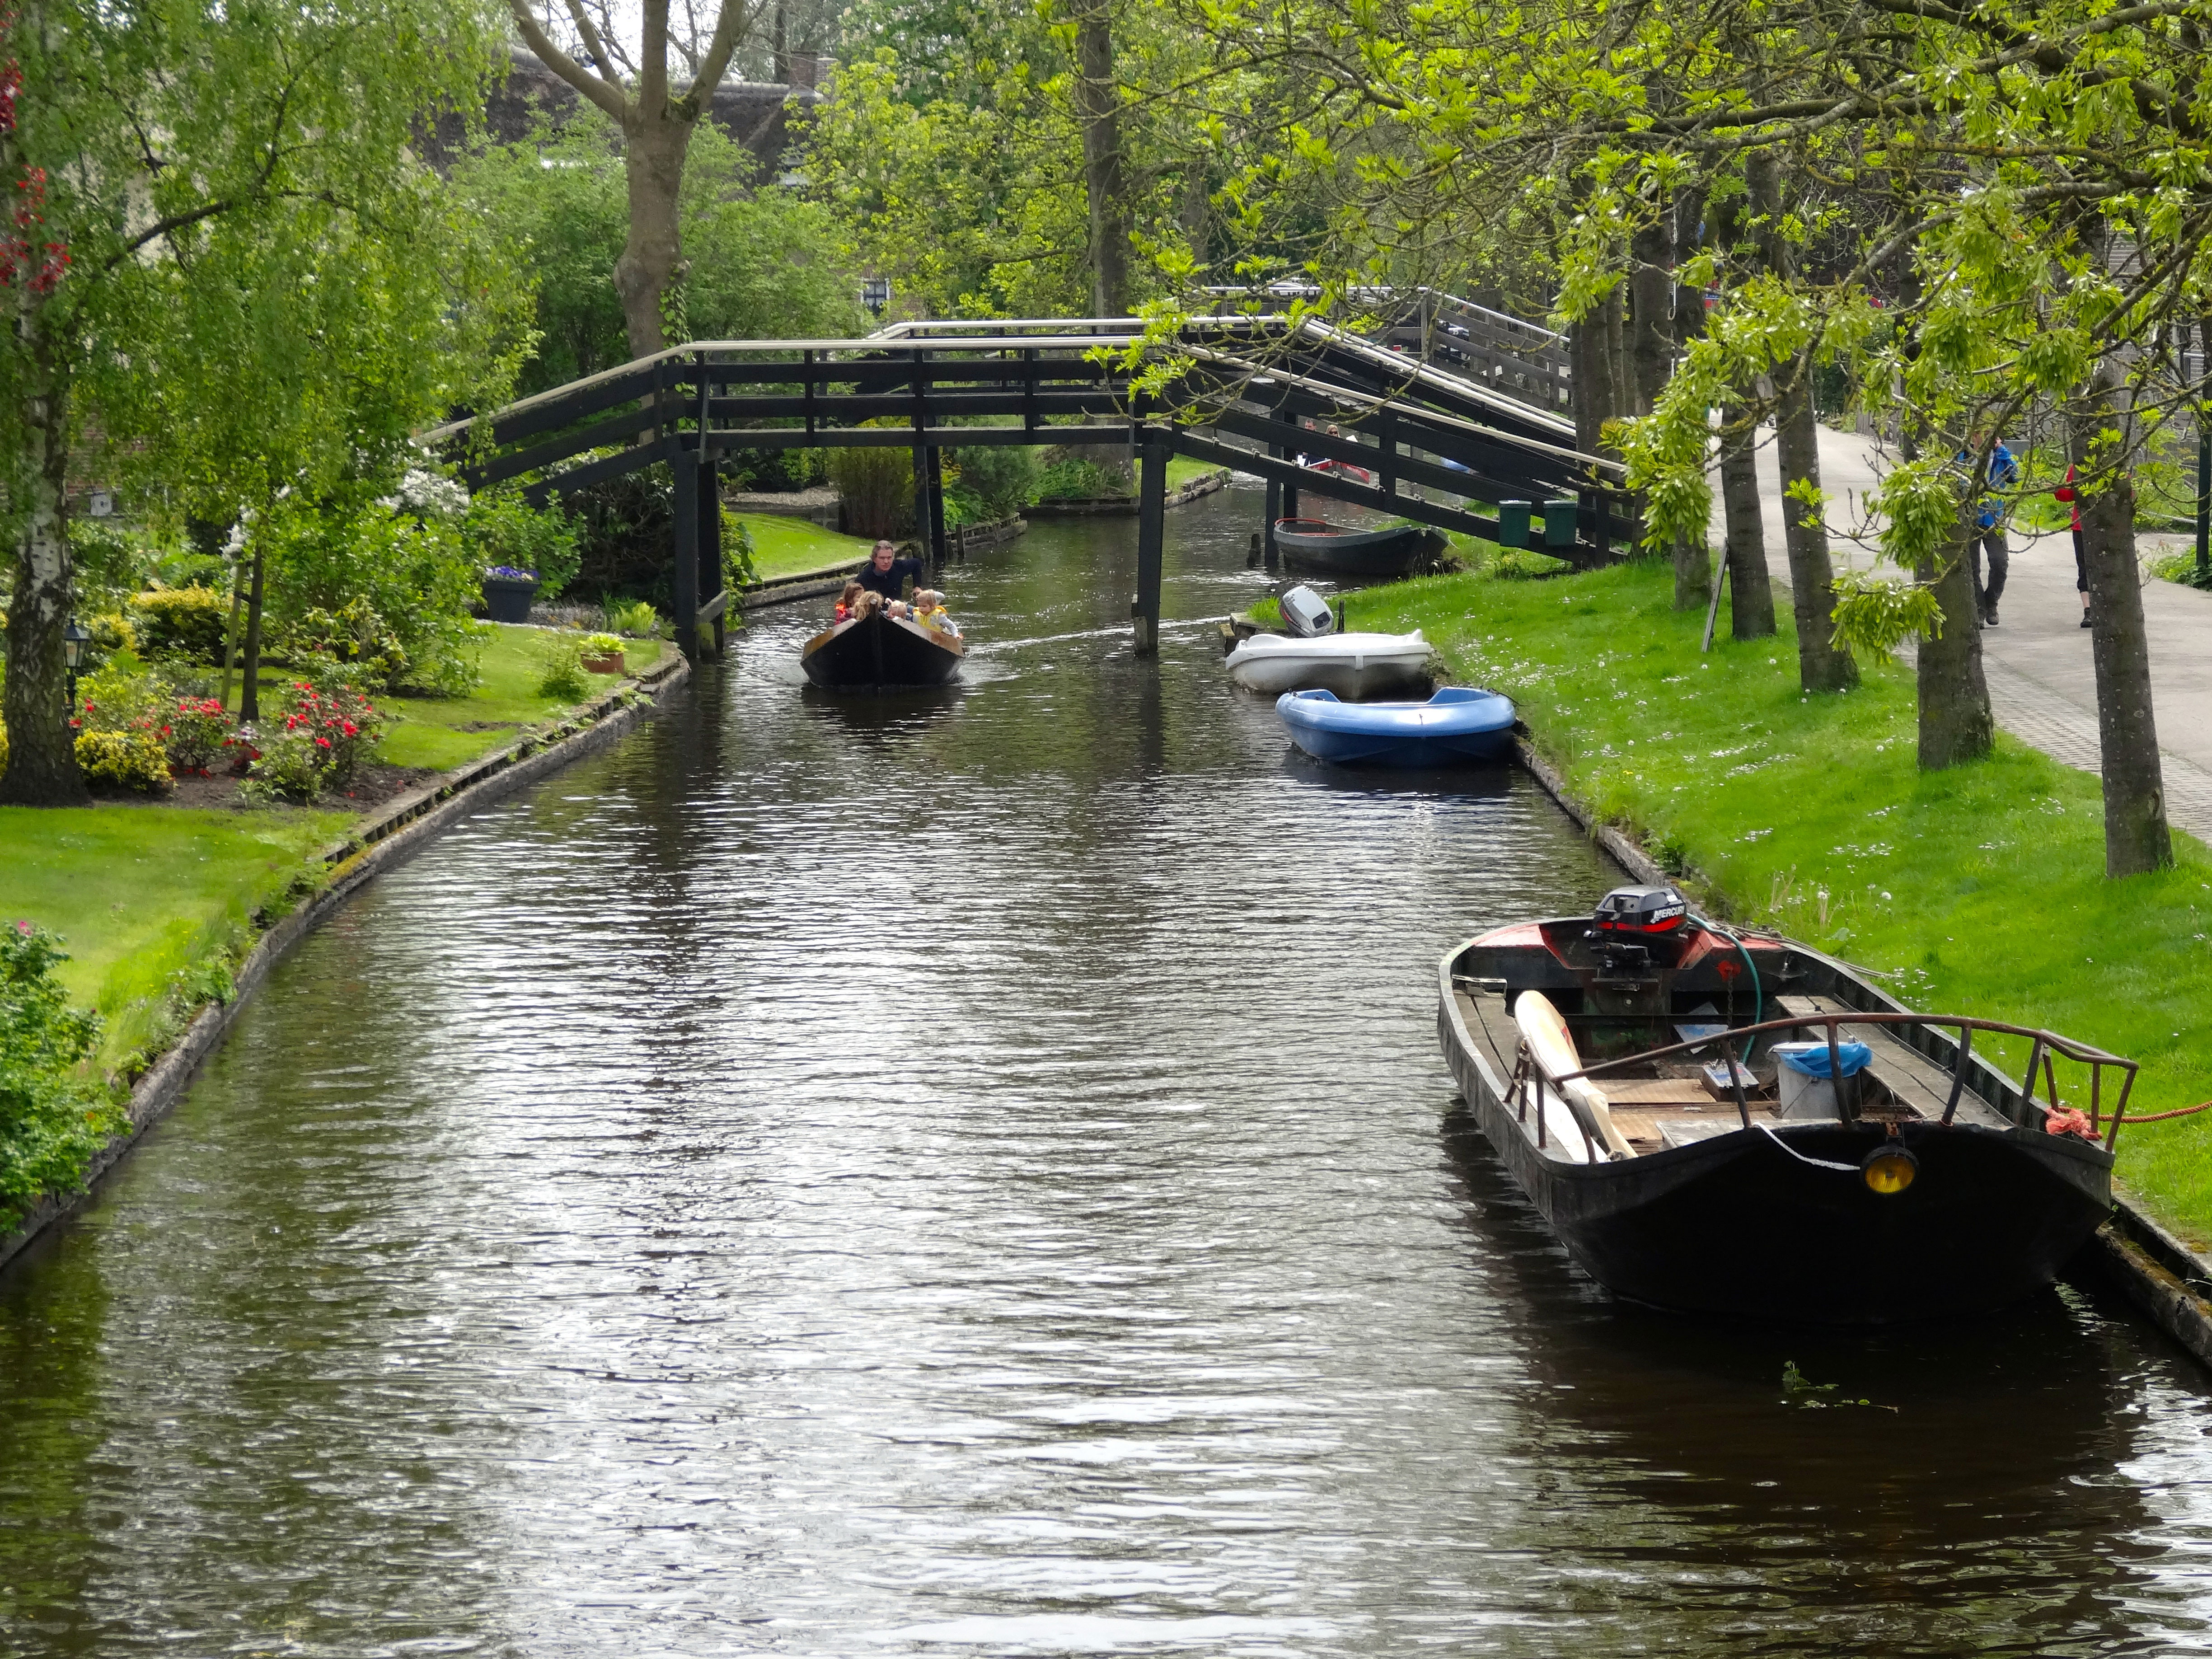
<point x="157" y="903"/>
<point x="442" y="732"/>
<point x="1979" y="891"/>
<point x="784" y="546"/>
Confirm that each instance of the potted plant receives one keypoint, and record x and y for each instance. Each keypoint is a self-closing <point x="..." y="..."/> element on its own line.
<point x="507" y="593"/>
<point x="603" y="654"/>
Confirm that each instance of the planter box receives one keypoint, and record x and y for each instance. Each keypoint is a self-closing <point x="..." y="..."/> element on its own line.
<point x="611" y="663"/>
<point x="508" y="598"/>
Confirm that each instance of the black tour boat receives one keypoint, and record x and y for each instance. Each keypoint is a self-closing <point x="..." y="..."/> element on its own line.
<point x="878" y="653"/>
<point x="1625" y="1068"/>
<point x="1314" y="547"/>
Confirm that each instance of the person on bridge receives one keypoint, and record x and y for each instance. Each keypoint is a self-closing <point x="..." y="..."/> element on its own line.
<point x="887" y="574"/>
<point x="2067" y="493"/>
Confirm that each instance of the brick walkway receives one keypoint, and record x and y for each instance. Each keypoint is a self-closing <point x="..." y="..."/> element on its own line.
<point x="2042" y="682"/>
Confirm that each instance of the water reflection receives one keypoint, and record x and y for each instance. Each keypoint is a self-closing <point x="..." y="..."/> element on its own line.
<point x="977" y="1177"/>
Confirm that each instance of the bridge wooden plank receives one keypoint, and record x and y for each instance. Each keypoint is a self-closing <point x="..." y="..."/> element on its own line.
<point x="532" y="416"/>
<point x="621" y="427"/>
<point x="609" y="466"/>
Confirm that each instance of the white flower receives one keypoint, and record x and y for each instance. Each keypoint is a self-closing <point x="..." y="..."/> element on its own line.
<point x="425" y="493"/>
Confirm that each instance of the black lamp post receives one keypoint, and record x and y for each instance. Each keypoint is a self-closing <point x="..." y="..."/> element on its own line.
<point x="876" y="295"/>
<point x="74" y="638"/>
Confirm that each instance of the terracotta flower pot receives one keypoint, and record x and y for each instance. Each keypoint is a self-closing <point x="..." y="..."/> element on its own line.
<point x="611" y="663"/>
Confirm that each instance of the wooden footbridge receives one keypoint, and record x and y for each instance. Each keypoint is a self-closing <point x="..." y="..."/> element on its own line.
<point x="1264" y="395"/>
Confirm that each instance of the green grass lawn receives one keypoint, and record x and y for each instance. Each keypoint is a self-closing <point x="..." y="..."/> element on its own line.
<point x="143" y="894"/>
<point x="1183" y="470"/>
<point x="1979" y="890"/>
<point x="429" y="732"/>
<point x="784" y="546"/>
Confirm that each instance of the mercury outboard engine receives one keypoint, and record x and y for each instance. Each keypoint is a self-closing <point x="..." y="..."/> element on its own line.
<point x="1306" y="614"/>
<point x="1630" y="922"/>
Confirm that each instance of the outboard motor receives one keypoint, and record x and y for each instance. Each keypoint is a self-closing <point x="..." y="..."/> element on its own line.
<point x="1630" y="922"/>
<point x="1306" y="614"/>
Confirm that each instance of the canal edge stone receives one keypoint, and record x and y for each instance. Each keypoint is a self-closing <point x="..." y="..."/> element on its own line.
<point x="2157" y="1271"/>
<point x="396" y="832"/>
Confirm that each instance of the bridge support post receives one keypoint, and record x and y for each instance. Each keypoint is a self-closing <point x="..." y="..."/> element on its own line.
<point x="936" y="522"/>
<point x="1272" y="555"/>
<point x="683" y="576"/>
<point x="712" y="582"/>
<point x="1151" y="535"/>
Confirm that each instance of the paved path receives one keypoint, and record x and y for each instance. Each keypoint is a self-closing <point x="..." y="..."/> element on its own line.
<point x="2042" y="683"/>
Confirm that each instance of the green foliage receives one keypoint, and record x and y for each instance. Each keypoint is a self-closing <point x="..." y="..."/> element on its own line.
<point x="415" y="577"/>
<point x="1873" y="615"/>
<point x="181" y="624"/>
<point x="353" y="639"/>
<point x="561" y="676"/>
<point x="602" y="645"/>
<point x="502" y="528"/>
<point x="54" y="1116"/>
<point x="1003" y="478"/>
<point x="136" y="761"/>
<point x="1078" y="478"/>
<point x="740" y="563"/>
<point x="2180" y="567"/>
<point x="876" y="488"/>
<point x="761" y="262"/>
<point x="635" y="617"/>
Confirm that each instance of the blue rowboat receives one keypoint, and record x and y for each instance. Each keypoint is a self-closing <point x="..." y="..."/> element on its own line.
<point x="1461" y="723"/>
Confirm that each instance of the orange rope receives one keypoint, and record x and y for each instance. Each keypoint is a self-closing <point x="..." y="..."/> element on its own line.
<point x="2153" y="1117"/>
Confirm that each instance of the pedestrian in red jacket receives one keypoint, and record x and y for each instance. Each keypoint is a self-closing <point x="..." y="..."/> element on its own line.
<point x="2067" y="493"/>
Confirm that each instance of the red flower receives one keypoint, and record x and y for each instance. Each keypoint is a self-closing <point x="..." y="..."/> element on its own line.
<point x="322" y="743"/>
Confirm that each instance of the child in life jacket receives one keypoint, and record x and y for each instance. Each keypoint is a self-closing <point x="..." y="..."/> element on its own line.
<point x="847" y="601"/>
<point x="929" y="610"/>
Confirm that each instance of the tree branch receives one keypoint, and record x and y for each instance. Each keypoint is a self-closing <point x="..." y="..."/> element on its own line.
<point x="731" y="29"/>
<point x="607" y="96"/>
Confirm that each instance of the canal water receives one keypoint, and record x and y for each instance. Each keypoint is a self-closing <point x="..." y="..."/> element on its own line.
<point x="973" y="1175"/>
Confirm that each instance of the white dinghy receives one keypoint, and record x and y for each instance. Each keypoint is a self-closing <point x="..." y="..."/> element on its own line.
<point x="1354" y="665"/>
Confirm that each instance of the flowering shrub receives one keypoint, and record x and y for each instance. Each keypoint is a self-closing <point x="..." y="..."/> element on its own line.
<point x="515" y="538"/>
<point x="326" y="732"/>
<point x="507" y="573"/>
<point x="199" y="731"/>
<point x="53" y="1116"/>
<point x="123" y="730"/>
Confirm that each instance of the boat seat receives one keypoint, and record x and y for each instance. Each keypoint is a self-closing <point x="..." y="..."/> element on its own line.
<point x="1906" y="1072"/>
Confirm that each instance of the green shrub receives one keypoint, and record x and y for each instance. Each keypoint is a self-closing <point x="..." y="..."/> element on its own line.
<point x="124" y="760"/>
<point x="1002" y="480"/>
<point x="1074" y="478"/>
<point x="633" y="617"/>
<point x="417" y="575"/>
<point x="54" y="1117"/>
<point x="2179" y="566"/>
<point x="876" y="488"/>
<point x="185" y="623"/>
<point x="602" y="645"/>
<point x="354" y="638"/>
<point x="737" y="551"/>
<point x="287" y="766"/>
<point x="562" y="677"/>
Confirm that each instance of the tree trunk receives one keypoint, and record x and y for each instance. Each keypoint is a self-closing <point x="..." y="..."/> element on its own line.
<point x="1955" y="726"/>
<point x="1751" y="593"/>
<point x="1651" y="293"/>
<point x="2135" y="836"/>
<point x="42" y="769"/>
<point x="651" y="262"/>
<point x="1621" y="370"/>
<point x="249" y="692"/>
<point x="1592" y="380"/>
<point x="1821" y="666"/>
<point x="1098" y="108"/>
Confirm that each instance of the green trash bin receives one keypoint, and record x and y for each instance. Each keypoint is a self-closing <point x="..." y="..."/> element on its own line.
<point x="1513" y="523"/>
<point x="1559" y="523"/>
